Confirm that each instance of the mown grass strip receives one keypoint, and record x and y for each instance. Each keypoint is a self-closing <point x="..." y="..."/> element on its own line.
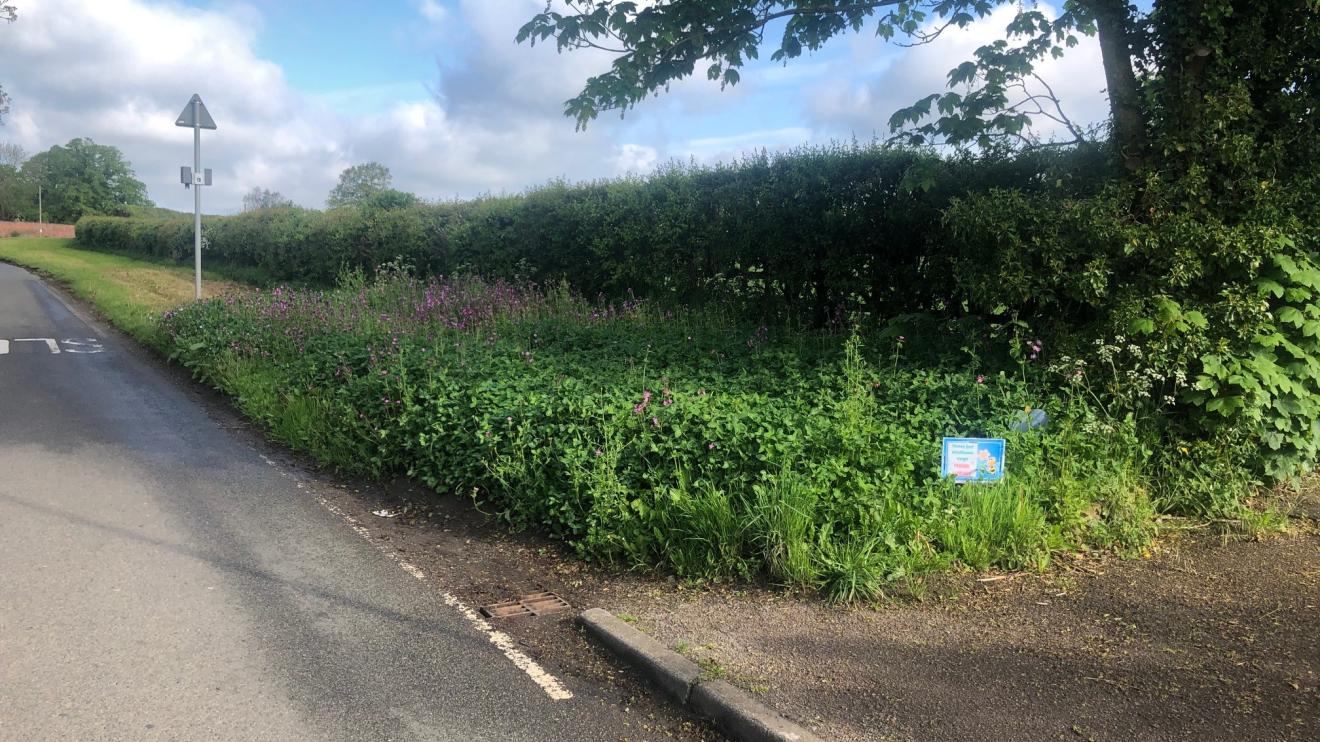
<point x="131" y="293"/>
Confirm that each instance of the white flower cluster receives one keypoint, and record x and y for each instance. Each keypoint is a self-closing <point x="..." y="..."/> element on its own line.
<point x="1124" y="372"/>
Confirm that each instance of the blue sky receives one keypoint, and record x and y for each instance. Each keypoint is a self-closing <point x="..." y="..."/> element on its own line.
<point x="437" y="90"/>
<point x="336" y="45"/>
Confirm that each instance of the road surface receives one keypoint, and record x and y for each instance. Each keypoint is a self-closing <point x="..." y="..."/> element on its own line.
<point x="159" y="580"/>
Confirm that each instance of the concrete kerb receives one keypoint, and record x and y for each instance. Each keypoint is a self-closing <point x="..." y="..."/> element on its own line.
<point x="674" y="673"/>
<point x="735" y="711"/>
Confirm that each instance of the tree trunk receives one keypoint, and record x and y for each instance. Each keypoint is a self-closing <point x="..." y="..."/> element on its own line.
<point x="1129" y="122"/>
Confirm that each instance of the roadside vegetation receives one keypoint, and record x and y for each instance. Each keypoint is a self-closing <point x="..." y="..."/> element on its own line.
<point x="132" y="293"/>
<point x="710" y="372"/>
<point x="688" y="440"/>
<point x="744" y="370"/>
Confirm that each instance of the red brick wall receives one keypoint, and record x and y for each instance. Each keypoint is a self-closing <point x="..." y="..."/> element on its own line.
<point x="7" y="229"/>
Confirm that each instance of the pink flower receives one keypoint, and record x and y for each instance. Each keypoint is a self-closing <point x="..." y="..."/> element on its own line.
<point x="980" y="378"/>
<point x="640" y="407"/>
<point x="710" y="446"/>
<point x="599" y="452"/>
<point x="655" y="422"/>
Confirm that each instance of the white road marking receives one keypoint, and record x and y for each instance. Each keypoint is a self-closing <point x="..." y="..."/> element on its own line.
<point x="85" y="345"/>
<point x="50" y="343"/>
<point x="502" y="641"/>
<point x="4" y="346"/>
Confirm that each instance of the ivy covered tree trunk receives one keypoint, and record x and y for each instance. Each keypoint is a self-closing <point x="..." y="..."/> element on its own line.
<point x="1128" y="135"/>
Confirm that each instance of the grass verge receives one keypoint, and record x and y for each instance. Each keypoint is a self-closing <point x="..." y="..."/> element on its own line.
<point x="130" y="292"/>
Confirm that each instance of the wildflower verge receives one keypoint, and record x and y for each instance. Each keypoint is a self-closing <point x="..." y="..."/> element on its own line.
<point x="688" y="441"/>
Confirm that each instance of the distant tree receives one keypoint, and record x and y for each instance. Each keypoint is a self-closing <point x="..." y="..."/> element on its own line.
<point x="259" y="198"/>
<point x="358" y="183"/>
<point x="7" y="13"/>
<point x="18" y="195"/>
<point x="83" y="177"/>
<point x="12" y="155"/>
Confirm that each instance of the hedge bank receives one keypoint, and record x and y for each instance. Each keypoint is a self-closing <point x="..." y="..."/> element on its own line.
<point x="801" y="235"/>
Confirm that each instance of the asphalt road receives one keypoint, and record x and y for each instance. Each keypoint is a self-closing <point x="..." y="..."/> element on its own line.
<point x="160" y="581"/>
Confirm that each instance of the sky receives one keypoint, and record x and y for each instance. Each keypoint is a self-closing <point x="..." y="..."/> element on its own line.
<point x="436" y="90"/>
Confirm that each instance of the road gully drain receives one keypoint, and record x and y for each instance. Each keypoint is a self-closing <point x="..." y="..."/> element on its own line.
<point x="536" y="604"/>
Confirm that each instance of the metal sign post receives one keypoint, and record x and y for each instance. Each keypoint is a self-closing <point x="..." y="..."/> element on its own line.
<point x="196" y="116"/>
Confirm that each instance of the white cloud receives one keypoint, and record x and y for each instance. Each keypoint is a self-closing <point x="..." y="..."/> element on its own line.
<point x="637" y="158"/>
<point x="433" y="12"/>
<point x="861" y="104"/>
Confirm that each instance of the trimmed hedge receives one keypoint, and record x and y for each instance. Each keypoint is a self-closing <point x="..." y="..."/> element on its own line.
<point x="803" y="235"/>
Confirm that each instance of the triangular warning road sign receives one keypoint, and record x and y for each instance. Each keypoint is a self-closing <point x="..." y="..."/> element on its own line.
<point x="203" y="119"/>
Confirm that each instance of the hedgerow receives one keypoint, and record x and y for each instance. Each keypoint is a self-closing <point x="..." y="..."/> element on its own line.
<point x="1174" y="344"/>
<point x="801" y="235"/>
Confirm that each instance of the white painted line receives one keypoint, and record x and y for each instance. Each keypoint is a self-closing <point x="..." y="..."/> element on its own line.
<point x="50" y="343"/>
<point x="4" y="346"/>
<point x="505" y="643"/>
<point x="86" y="345"/>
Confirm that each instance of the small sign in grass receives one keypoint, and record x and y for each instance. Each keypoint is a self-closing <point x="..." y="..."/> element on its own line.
<point x="973" y="459"/>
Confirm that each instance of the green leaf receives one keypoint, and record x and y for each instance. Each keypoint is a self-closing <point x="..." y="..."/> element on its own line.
<point x="1268" y="286"/>
<point x="1291" y="315"/>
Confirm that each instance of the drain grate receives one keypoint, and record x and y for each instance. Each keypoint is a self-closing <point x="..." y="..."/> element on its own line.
<point x="536" y="604"/>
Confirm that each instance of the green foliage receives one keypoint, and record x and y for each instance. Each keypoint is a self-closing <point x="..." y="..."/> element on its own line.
<point x="853" y="571"/>
<point x="998" y="525"/>
<point x="1204" y="322"/>
<point x="18" y="195"/>
<point x="389" y="199"/>
<point x="359" y="183"/>
<point x="83" y="178"/>
<point x="809" y="236"/>
<point x="694" y="441"/>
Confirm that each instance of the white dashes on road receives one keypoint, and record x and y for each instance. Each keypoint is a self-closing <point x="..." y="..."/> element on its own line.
<point x="70" y="345"/>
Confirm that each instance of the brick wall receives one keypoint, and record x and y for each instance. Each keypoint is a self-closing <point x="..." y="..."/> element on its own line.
<point x="7" y="229"/>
